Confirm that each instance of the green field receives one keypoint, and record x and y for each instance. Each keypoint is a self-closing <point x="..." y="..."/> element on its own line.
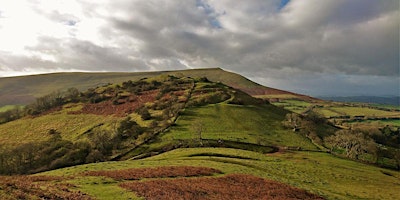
<point x="297" y="106"/>
<point x="9" y="107"/>
<point x="355" y="111"/>
<point x="320" y="173"/>
<point x="34" y="129"/>
<point x="229" y="122"/>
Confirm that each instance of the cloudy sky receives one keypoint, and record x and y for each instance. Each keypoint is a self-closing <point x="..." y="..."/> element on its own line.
<point x="314" y="47"/>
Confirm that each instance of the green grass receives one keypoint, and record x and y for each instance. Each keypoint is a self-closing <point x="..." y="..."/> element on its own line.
<point x="320" y="173"/>
<point x="293" y="105"/>
<point x="327" y="112"/>
<point x="251" y="124"/>
<point x="379" y="123"/>
<point x="33" y="129"/>
<point x="394" y="107"/>
<point x="9" y="107"/>
<point x="354" y="111"/>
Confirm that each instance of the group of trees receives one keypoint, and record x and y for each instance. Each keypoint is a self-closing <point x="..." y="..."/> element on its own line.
<point x="354" y="143"/>
<point x="57" y="152"/>
<point x="40" y="156"/>
<point x="367" y="144"/>
<point x="41" y="104"/>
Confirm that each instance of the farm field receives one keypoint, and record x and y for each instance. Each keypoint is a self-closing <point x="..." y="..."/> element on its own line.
<point x="228" y="122"/>
<point x="319" y="173"/>
<point x="335" y="109"/>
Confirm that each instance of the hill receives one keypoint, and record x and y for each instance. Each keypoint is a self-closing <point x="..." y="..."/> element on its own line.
<point x="24" y="89"/>
<point x="157" y="135"/>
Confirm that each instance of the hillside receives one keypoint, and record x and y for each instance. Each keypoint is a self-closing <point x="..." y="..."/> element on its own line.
<point x="175" y="134"/>
<point x="24" y="89"/>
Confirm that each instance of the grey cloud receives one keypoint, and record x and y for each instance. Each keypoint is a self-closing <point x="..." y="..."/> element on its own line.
<point x="357" y="38"/>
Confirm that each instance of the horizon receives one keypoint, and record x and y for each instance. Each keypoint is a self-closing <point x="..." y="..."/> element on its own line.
<point x="99" y="72"/>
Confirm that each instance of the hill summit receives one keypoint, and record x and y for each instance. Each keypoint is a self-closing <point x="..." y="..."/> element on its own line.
<point x="25" y="89"/>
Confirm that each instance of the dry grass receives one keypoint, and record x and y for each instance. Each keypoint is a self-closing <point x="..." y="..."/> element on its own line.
<point x="37" y="187"/>
<point x="159" y="172"/>
<point x="227" y="187"/>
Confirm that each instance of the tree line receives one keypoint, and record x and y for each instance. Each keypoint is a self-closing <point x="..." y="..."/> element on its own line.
<point x="364" y="144"/>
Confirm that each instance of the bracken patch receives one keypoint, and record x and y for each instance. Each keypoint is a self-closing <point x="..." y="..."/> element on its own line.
<point x="158" y="172"/>
<point x="37" y="187"/>
<point x="227" y="187"/>
<point x="126" y="106"/>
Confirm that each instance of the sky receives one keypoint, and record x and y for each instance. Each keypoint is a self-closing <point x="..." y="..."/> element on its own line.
<point x="313" y="47"/>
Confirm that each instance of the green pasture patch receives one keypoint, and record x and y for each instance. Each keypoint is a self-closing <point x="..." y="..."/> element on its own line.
<point x="378" y="123"/>
<point x="31" y="129"/>
<point x="9" y="107"/>
<point x="251" y="124"/>
<point x="326" y="112"/>
<point x="297" y="106"/>
<point x="364" y="111"/>
<point x="102" y="188"/>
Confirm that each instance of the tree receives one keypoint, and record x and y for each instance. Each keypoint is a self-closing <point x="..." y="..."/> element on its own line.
<point x="129" y="128"/>
<point x="144" y="113"/>
<point x="316" y="117"/>
<point x="103" y="142"/>
<point x="72" y="95"/>
<point x="198" y="129"/>
<point x="292" y="120"/>
<point x="354" y="143"/>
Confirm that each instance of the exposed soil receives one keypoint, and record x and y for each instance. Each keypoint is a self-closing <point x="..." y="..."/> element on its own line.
<point x="159" y="172"/>
<point x="228" y="187"/>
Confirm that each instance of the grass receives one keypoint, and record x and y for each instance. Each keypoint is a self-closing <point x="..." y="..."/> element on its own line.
<point x="293" y="105"/>
<point x="24" y="90"/>
<point x="319" y="173"/>
<point x="354" y="111"/>
<point x="9" y="107"/>
<point x="379" y="123"/>
<point x="327" y="112"/>
<point x="33" y="129"/>
<point x="232" y="123"/>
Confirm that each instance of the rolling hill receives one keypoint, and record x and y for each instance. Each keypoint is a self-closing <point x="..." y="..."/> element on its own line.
<point x="24" y="89"/>
<point x="171" y="135"/>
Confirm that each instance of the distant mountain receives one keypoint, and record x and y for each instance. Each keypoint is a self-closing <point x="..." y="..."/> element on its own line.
<point x="389" y="100"/>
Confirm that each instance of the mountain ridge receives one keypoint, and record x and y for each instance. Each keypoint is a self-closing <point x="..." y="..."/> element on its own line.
<point x="24" y="89"/>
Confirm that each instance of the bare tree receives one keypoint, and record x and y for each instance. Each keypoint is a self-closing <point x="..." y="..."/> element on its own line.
<point x="198" y="129"/>
<point x="354" y="143"/>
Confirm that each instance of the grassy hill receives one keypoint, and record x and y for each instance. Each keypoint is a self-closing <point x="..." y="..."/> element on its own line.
<point x="174" y="134"/>
<point x="24" y="89"/>
<point x="236" y="172"/>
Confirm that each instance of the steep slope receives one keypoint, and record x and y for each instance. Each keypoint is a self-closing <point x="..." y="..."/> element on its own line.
<point x="24" y="89"/>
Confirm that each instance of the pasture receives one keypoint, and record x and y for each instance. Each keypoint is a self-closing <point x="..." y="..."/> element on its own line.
<point x="318" y="173"/>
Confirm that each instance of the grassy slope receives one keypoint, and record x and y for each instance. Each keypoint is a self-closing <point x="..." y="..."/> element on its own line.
<point x="232" y="122"/>
<point x="320" y="173"/>
<point x="32" y="129"/>
<point x="24" y="89"/>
